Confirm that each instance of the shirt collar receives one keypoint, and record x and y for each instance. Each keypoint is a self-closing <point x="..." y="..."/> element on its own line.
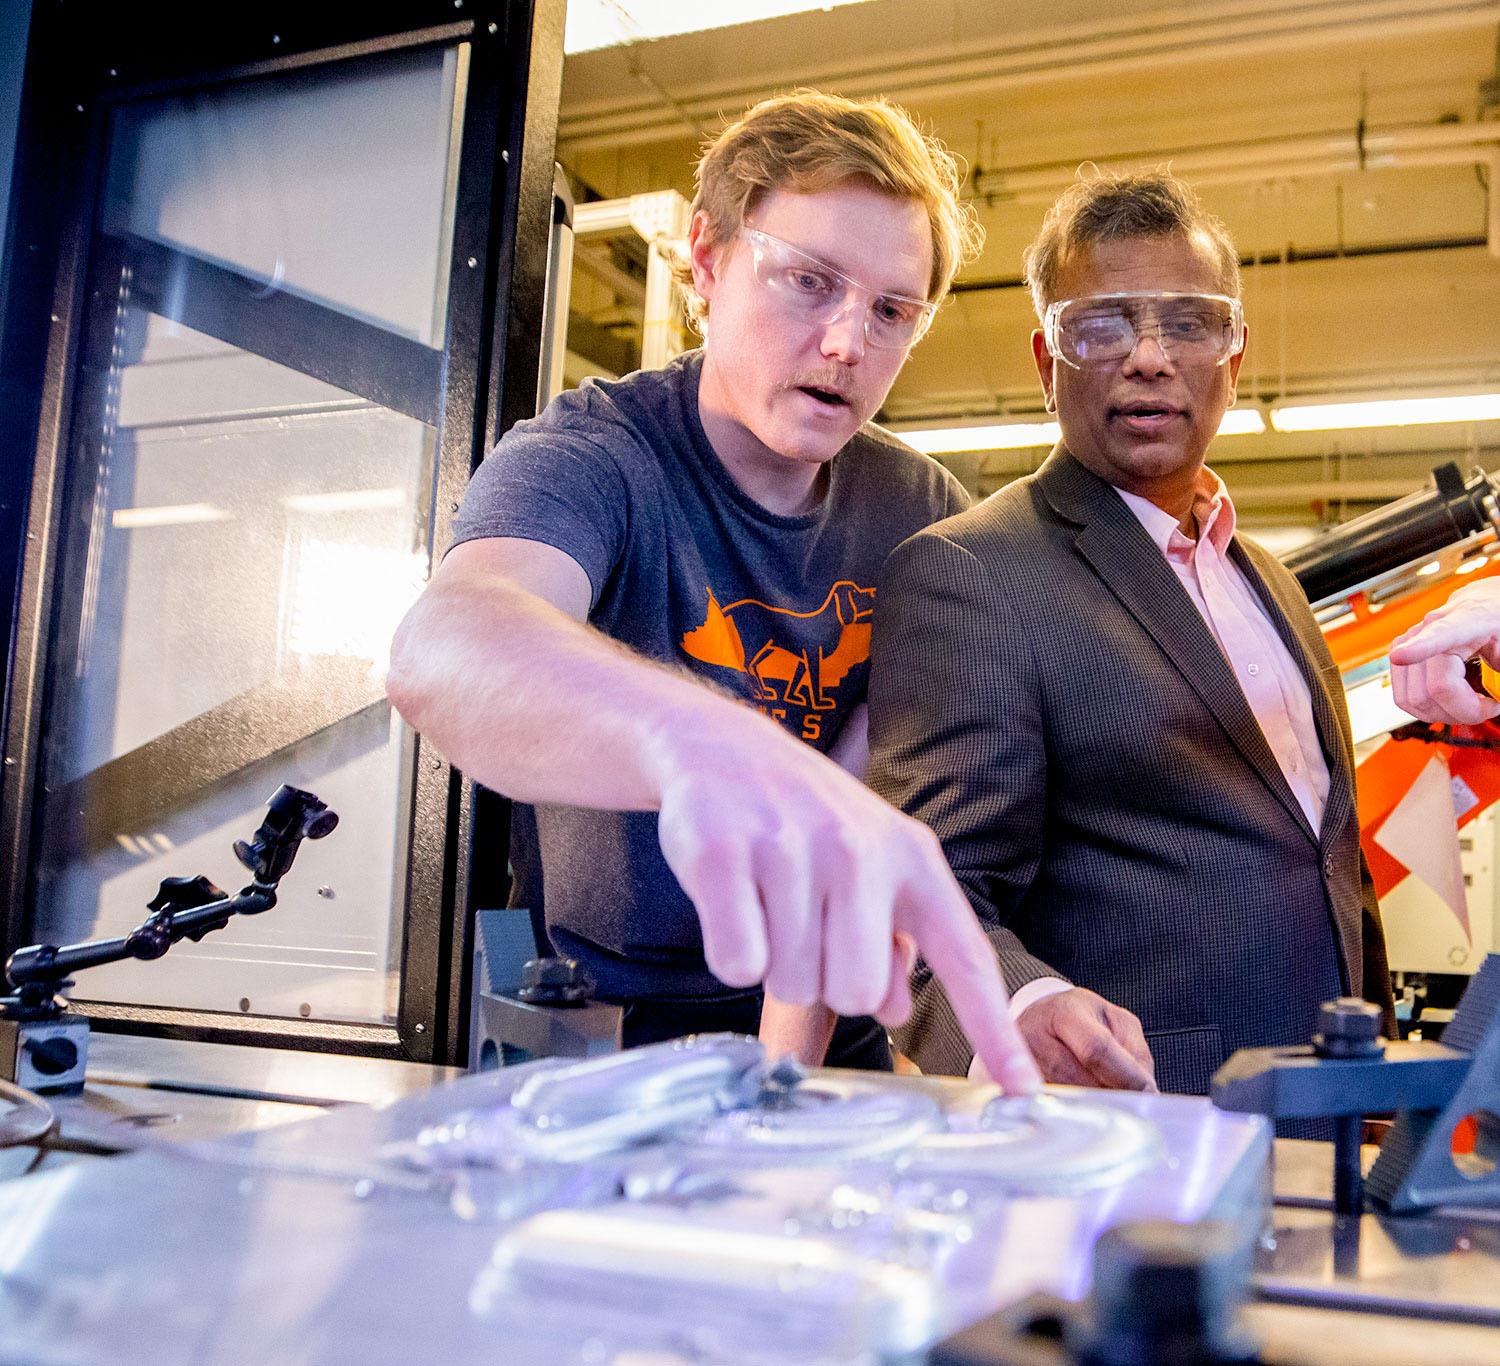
<point x="1212" y="509"/>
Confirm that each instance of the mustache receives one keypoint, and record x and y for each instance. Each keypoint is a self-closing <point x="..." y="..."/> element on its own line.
<point x="830" y="380"/>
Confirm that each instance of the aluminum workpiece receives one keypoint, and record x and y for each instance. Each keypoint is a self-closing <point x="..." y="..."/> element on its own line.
<point x="688" y="1200"/>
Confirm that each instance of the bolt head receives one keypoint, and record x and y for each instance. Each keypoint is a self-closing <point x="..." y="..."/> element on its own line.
<point x="1162" y="1288"/>
<point x="553" y="981"/>
<point x="1348" y="1028"/>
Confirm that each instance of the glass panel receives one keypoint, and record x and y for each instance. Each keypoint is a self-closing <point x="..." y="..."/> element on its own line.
<point x="241" y="538"/>
<point x="334" y="188"/>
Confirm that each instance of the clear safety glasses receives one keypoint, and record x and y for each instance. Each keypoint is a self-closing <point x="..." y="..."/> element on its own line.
<point x="815" y="293"/>
<point x="1191" y="329"/>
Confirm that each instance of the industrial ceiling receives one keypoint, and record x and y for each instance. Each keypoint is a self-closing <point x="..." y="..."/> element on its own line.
<point x="1351" y="146"/>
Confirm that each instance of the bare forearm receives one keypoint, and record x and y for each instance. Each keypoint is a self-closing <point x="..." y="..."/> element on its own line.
<point x="801" y="876"/>
<point x="541" y="707"/>
<point x="800" y="1032"/>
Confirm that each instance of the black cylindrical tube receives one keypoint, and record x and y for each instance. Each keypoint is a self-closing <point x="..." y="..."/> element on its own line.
<point x="1411" y="527"/>
<point x="48" y="963"/>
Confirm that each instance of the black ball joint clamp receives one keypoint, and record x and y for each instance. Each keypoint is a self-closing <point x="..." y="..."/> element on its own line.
<point x="183" y="908"/>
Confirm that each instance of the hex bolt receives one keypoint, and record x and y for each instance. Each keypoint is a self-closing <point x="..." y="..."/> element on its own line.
<point x="1348" y="1028"/>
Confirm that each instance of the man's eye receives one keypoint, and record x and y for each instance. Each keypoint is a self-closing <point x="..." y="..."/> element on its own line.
<point x="896" y="311"/>
<point x="808" y="281"/>
<point x="1098" y="326"/>
<point x="1189" y="326"/>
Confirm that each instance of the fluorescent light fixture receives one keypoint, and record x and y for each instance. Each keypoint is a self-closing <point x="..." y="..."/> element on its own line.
<point x="348" y="598"/>
<point x="594" y="24"/>
<point x="1242" y="422"/>
<point x="1014" y="436"/>
<point x="345" y="500"/>
<point x="167" y="514"/>
<point x="1005" y="436"/>
<point x="1386" y="412"/>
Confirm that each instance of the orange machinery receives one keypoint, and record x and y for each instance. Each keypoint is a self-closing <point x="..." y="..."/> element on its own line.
<point x="1388" y="772"/>
<point x="1369" y="564"/>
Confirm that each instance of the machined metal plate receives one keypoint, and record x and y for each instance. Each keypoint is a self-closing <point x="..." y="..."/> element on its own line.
<point x="1442" y="1265"/>
<point x="313" y="1242"/>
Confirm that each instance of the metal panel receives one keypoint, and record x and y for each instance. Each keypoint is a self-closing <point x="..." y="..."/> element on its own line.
<point x="70" y="138"/>
<point x="524" y="161"/>
<point x="501" y="143"/>
<point x="308" y="1243"/>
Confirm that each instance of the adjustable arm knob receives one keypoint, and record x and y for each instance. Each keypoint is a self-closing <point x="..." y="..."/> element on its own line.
<point x="183" y="893"/>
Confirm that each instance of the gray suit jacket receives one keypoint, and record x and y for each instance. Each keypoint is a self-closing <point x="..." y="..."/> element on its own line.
<point x="1047" y="698"/>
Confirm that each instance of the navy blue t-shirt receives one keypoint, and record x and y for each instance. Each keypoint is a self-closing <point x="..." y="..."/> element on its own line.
<point x="689" y="570"/>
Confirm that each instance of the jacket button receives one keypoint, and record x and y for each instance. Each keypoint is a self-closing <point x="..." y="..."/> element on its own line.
<point x="1327" y="865"/>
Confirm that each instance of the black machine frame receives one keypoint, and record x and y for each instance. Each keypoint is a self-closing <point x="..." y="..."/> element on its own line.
<point x="85" y="60"/>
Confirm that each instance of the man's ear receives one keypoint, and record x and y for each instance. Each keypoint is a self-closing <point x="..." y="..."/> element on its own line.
<point x="1234" y="367"/>
<point x="703" y="256"/>
<point x="1044" y="368"/>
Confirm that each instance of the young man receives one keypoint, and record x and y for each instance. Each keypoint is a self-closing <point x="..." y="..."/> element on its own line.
<point x="1118" y="714"/>
<point x="655" y="621"/>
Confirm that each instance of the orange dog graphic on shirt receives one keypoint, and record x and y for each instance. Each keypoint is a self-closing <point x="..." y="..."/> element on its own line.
<point x="753" y="637"/>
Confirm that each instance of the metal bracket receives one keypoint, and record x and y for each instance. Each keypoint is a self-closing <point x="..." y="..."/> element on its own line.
<point x="1432" y="1086"/>
<point x="511" y="1031"/>
<point x="505" y="1029"/>
<point x="1417" y="1167"/>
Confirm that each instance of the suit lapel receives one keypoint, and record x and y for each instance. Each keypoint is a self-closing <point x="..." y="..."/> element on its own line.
<point x="1133" y="569"/>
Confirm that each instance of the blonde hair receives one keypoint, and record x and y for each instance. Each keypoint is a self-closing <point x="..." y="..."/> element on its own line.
<point x="808" y="142"/>
<point x="1110" y="206"/>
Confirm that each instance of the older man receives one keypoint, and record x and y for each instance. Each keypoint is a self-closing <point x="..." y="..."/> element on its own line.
<point x="655" y="625"/>
<point x="1118" y="715"/>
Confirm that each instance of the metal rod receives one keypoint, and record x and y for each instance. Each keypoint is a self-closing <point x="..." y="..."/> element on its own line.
<point x="1348" y="1179"/>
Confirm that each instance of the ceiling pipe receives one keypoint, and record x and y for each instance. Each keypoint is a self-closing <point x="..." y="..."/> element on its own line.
<point x="1400" y="147"/>
<point x="1331" y="153"/>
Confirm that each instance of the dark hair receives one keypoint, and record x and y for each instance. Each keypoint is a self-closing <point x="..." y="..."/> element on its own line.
<point x="1108" y="206"/>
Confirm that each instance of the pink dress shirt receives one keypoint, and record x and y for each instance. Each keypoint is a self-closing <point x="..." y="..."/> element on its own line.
<point x="1272" y="683"/>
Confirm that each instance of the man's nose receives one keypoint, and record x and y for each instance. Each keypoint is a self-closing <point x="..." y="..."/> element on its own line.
<point x="1148" y="356"/>
<point x="844" y="334"/>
